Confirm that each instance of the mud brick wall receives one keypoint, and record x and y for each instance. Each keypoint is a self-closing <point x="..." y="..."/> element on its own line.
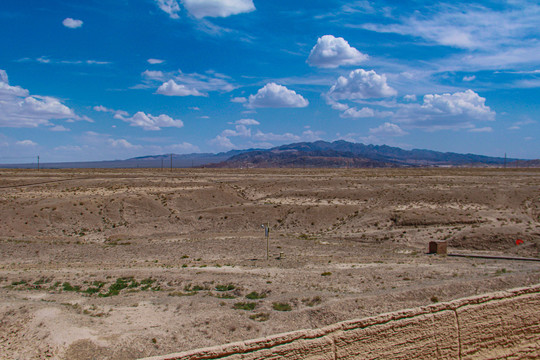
<point x="492" y="326"/>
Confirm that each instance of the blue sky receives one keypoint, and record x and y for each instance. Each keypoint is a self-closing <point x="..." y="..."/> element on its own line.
<point x="96" y="80"/>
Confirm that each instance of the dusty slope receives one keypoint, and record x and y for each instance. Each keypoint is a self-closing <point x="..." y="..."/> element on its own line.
<point x="353" y="245"/>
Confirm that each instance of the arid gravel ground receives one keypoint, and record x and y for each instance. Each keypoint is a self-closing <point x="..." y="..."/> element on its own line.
<point x="121" y="264"/>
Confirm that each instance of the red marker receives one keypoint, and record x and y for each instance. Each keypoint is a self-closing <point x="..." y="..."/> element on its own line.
<point x="519" y="242"/>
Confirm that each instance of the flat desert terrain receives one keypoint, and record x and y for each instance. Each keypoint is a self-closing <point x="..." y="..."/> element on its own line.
<point x="122" y="264"/>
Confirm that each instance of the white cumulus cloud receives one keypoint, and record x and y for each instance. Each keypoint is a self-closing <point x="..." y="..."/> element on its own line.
<point x="273" y="95"/>
<point x="72" y="23"/>
<point x="149" y="122"/>
<point x="361" y="84"/>
<point x="331" y="52"/>
<point x="446" y="111"/>
<point x="467" y="103"/>
<point x="217" y="8"/>
<point x="171" y="88"/>
<point x="20" y="109"/>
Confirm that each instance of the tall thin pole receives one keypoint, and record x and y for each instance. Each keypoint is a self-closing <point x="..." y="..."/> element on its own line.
<point x="267" y="231"/>
<point x="171" y="162"/>
<point x="505" y="160"/>
<point x="161" y="164"/>
<point x="38" y="163"/>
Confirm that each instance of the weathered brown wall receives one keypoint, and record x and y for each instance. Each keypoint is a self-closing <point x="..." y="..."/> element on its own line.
<point x="493" y="326"/>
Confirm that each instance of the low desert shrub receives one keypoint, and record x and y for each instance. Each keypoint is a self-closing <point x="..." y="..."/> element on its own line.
<point x="278" y="306"/>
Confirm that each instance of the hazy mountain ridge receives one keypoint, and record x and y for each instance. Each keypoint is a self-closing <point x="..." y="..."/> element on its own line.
<point x="346" y="154"/>
<point x="323" y="154"/>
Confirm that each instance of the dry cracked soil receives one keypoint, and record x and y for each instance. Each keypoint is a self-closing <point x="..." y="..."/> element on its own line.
<point x="122" y="264"/>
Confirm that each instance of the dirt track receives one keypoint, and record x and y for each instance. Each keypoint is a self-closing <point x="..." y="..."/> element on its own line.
<point x="130" y="263"/>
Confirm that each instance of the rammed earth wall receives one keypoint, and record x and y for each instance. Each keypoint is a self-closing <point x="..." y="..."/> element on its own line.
<point x="498" y="325"/>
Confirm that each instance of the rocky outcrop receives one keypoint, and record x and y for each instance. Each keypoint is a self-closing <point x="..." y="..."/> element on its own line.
<point x="491" y="326"/>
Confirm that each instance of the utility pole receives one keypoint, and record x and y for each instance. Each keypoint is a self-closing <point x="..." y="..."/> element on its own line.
<point x="171" y="162"/>
<point x="38" y="163"/>
<point x="267" y="235"/>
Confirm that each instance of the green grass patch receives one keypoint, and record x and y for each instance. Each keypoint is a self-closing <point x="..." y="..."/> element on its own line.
<point x="119" y="285"/>
<point x="244" y="305"/>
<point x="68" y="287"/>
<point x="278" y="306"/>
<point x="190" y="288"/>
<point x="255" y="295"/>
<point x="227" y="287"/>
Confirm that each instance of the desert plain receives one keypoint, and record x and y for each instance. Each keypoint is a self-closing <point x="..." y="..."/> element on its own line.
<point x="124" y="264"/>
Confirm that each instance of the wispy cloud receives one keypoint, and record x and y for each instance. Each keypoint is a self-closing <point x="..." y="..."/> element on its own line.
<point x="492" y="37"/>
<point x="206" y="8"/>
<point x="171" y="7"/>
<point x="155" y="61"/>
<point x="217" y="8"/>
<point x="247" y="136"/>
<point x="47" y="60"/>
<point x="469" y="27"/>
<point x="177" y="83"/>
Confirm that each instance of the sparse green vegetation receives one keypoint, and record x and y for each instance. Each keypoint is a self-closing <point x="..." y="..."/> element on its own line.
<point x="68" y="287"/>
<point x="244" y="305"/>
<point x="255" y="295"/>
<point x="279" y="306"/>
<point x="260" y="317"/>
<point x="227" y="287"/>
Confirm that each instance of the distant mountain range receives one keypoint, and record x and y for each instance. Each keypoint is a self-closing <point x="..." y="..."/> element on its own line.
<point x="346" y="154"/>
<point x="318" y="154"/>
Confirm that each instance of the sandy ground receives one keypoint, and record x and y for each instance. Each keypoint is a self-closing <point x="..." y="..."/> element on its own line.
<point x="121" y="264"/>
